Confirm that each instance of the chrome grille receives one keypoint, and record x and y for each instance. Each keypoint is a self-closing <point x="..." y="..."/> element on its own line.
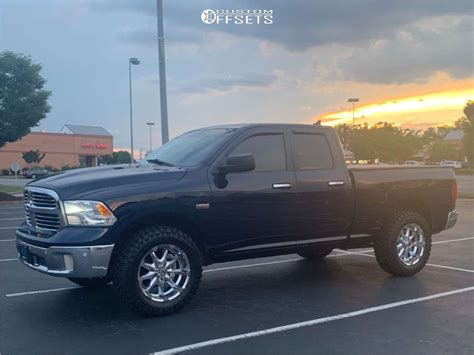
<point x="43" y="211"/>
<point x="40" y="199"/>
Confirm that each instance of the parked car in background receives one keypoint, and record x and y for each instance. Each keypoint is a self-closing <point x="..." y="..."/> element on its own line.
<point x="412" y="162"/>
<point x="451" y="164"/>
<point x="36" y="173"/>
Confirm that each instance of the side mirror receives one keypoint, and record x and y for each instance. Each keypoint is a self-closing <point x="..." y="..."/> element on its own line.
<point x="237" y="163"/>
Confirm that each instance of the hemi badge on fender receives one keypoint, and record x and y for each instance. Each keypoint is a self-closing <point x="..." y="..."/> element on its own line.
<point x="202" y="206"/>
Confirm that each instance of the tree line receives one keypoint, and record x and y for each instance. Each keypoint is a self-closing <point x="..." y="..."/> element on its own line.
<point x="390" y="143"/>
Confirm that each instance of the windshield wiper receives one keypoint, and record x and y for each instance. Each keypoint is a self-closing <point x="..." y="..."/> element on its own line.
<point x="159" y="162"/>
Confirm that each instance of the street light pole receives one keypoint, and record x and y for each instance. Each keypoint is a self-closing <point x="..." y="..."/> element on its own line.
<point x="150" y="124"/>
<point x="353" y="100"/>
<point x="131" y="61"/>
<point x="161" y="58"/>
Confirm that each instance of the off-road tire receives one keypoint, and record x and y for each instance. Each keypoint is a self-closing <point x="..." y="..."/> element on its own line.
<point x="385" y="245"/>
<point x="126" y="260"/>
<point x="95" y="282"/>
<point x="315" y="253"/>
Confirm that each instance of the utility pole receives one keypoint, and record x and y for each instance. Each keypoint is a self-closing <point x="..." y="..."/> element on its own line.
<point x="161" y="58"/>
<point x="353" y="100"/>
<point x="150" y="124"/>
<point x="131" y="61"/>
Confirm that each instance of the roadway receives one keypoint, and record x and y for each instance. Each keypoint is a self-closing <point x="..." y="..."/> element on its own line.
<point x="279" y="305"/>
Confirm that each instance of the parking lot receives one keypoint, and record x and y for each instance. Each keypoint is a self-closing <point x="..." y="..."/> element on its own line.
<point x="344" y="304"/>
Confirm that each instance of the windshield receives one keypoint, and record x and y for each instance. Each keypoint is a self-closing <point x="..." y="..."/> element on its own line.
<point x="191" y="148"/>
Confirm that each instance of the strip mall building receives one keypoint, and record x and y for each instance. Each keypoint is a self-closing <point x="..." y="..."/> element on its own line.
<point x="74" y="145"/>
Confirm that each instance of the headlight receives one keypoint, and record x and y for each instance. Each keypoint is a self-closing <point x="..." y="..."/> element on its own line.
<point x="88" y="213"/>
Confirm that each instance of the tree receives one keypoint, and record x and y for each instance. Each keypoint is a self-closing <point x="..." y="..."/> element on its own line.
<point x="345" y="132"/>
<point x="443" y="151"/>
<point x="119" y="157"/>
<point x="33" y="156"/>
<point x="384" y="141"/>
<point x="23" y="102"/>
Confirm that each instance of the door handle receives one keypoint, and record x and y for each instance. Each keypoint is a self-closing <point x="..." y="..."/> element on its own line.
<point x="336" y="183"/>
<point x="281" y="186"/>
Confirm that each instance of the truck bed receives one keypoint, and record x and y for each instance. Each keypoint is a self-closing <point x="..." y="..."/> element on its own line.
<point x="380" y="189"/>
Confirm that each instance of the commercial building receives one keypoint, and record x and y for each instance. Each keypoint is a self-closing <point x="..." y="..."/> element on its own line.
<point x="74" y="145"/>
<point x="454" y="137"/>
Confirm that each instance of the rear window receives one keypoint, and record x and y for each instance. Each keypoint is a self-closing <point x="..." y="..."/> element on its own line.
<point x="311" y="152"/>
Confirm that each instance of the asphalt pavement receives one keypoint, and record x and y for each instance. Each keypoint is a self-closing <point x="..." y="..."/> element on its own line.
<point x="279" y="305"/>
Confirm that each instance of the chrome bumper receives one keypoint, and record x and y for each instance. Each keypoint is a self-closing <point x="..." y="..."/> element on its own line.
<point x="452" y="219"/>
<point x="81" y="262"/>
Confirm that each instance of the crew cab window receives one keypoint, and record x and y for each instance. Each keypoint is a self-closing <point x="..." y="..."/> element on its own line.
<point x="268" y="151"/>
<point x="311" y="152"/>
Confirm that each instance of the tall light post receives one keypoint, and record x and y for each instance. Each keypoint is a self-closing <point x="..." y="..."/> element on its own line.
<point x="131" y="61"/>
<point x="150" y="124"/>
<point x="353" y="100"/>
<point x="161" y="58"/>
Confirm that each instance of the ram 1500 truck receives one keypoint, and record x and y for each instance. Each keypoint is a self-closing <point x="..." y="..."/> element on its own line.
<point x="225" y="193"/>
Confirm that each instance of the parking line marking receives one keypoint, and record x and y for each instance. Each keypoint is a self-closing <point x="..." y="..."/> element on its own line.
<point x="449" y="267"/>
<point x="342" y="253"/>
<point x="427" y="264"/>
<point x="41" y="291"/>
<point x="267" y="263"/>
<point x="11" y="219"/>
<point x="309" y="323"/>
<point x="2" y="260"/>
<point x="451" y="240"/>
<point x="9" y="227"/>
<point x="209" y="270"/>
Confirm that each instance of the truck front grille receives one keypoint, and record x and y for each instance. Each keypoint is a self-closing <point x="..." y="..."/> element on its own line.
<point x="43" y="211"/>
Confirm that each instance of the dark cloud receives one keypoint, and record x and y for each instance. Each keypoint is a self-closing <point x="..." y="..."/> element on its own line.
<point x="383" y="41"/>
<point x="301" y="24"/>
<point x="146" y="36"/>
<point x="225" y="84"/>
<point x="413" y="56"/>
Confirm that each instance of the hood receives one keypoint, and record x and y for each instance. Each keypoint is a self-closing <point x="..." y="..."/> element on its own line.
<point x="86" y="181"/>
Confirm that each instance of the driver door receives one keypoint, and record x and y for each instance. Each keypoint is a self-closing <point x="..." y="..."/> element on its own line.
<point x="253" y="208"/>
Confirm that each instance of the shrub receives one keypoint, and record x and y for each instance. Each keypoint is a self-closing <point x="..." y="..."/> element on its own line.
<point x="68" y="167"/>
<point x="51" y="168"/>
<point x="5" y="172"/>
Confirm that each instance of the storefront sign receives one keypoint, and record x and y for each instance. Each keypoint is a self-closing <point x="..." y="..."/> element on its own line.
<point x="94" y="145"/>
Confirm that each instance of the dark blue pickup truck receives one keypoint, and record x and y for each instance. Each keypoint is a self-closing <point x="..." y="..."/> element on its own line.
<point x="226" y="193"/>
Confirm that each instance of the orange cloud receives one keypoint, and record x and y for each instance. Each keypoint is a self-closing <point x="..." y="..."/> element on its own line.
<point x="418" y="111"/>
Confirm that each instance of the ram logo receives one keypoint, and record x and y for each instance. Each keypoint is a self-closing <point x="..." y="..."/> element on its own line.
<point x="202" y="206"/>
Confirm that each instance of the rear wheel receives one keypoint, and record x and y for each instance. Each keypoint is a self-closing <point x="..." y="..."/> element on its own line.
<point x="90" y="283"/>
<point x="405" y="246"/>
<point x="315" y="253"/>
<point x="157" y="270"/>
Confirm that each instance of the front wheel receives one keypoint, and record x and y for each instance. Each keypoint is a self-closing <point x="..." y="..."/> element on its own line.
<point x="157" y="270"/>
<point x="405" y="246"/>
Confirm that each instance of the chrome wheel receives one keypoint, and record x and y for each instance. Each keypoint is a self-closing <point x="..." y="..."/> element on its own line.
<point x="164" y="273"/>
<point x="411" y="244"/>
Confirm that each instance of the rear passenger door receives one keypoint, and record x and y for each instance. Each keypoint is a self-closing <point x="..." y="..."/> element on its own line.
<point x="323" y="196"/>
<point x="253" y="208"/>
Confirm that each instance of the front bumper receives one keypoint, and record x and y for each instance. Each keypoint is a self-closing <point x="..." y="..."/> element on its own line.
<point x="452" y="219"/>
<point x="67" y="261"/>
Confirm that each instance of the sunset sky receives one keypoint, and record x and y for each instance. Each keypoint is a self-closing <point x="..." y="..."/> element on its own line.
<point x="409" y="62"/>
